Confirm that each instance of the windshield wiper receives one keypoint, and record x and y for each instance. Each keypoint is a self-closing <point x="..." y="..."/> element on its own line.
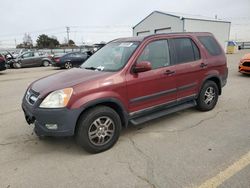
<point x="90" y="68"/>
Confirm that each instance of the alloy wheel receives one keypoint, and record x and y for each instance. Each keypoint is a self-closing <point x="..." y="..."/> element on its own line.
<point x="209" y="95"/>
<point x="68" y="65"/>
<point x="101" y="131"/>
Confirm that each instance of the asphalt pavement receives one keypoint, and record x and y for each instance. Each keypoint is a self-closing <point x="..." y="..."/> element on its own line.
<point x="184" y="149"/>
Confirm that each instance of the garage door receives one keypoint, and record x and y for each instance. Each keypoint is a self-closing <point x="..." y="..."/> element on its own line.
<point x="163" y="30"/>
<point x="143" y="33"/>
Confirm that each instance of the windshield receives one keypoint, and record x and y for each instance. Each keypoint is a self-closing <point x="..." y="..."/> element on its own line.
<point x="111" y="57"/>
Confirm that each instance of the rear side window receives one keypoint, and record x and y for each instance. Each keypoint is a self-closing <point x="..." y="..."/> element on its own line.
<point x="185" y="50"/>
<point x="211" y="45"/>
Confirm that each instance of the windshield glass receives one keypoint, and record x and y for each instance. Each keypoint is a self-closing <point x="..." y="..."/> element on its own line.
<point x="111" y="57"/>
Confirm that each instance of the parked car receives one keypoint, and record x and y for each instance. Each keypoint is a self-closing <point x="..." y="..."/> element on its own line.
<point x="130" y="80"/>
<point x="244" y="65"/>
<point x="2" y="63"/>
<point x="9" y="59"/>
<point x="31" y="59"/>
<point x="72" y="59"/>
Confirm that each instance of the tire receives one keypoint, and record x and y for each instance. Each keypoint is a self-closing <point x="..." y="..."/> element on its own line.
<point x="46" y="63"/>
<point x="17" y="65"/>
<point x="98" y="129"/>
<point x="68" y="65"/>
<point x="208" y="96"/>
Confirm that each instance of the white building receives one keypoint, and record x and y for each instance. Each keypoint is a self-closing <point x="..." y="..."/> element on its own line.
<point x="160" y="22"/>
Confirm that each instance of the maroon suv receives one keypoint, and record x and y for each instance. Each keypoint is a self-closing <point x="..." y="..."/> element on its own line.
<point x="130" y="80"/>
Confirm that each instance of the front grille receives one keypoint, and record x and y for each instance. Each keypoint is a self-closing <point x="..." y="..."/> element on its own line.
<point x="31" y="96"/>
<point x="247" y="64"/>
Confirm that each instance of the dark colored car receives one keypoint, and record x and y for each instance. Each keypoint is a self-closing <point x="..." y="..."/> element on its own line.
<point x="30" y="59"/>
<point x="130" y="80"/>
<point x="2" y="63"/>
<point x="72" y="59"/>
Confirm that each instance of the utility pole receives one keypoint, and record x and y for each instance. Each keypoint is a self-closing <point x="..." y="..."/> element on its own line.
<point x="67" y="30"/>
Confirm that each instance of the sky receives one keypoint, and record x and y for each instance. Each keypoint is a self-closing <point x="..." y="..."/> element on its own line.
<point x="95" y="21"/>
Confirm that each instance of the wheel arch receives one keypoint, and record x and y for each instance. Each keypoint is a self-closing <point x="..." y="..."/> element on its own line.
<point x="215" y="79"/>
<point x="45" y="60"/>
<point x="113" y="103"/>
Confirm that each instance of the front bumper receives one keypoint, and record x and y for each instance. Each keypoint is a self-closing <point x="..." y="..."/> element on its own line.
<point x="56" y="64"/>
<point x="2" y="66"/>
<point x="244" y="69"/>
<point x="64" y="118"/>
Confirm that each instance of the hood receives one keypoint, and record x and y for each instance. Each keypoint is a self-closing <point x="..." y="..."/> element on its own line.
<point x="246" y="56"/>
<point x="65" y="79"/>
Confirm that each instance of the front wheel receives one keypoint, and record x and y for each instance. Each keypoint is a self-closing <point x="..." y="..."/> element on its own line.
<point x="17" y="65"/>
<point x="98" y="129"/>
<point x="208" y="96"/>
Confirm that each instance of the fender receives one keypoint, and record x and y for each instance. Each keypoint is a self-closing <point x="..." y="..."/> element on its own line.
<point x="46" y="59"/>
<point x="107" y="98"/>
<point x="212" y="76"/>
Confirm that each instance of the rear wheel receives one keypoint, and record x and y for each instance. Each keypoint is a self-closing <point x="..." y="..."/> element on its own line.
<point x="208" y="96"/>
<point x="45" y="63"/>
<point x="98" y="129"/>
<point x="68" y="65"/>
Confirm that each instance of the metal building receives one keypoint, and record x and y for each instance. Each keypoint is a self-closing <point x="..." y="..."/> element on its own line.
<point x="161" y="22"/>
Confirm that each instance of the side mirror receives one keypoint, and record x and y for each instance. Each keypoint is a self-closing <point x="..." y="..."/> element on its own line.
<point x="142" y="66"/>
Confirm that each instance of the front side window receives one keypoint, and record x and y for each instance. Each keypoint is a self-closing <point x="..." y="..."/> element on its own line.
<point x="112" y="57"/>
<point x="29" y="54"/>
<point x="157" y="53"/>
<point x="185" y="50"/>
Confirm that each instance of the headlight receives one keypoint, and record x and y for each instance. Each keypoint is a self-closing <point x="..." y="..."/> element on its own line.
<point x="57" y="99"/>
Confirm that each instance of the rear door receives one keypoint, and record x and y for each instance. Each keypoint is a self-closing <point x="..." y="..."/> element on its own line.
<point x="189" y="67"/>
<point x="80" y="58"/>
<point x="37" y="60"/>
<point x="156" y="87"/>
<point x="72" y="57"/>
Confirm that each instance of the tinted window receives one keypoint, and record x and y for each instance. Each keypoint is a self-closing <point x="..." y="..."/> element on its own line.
<point x="157" y="53"/>
<point x="185" y="50"/>
<point x="196" y="51"/>
<point x="210" y="44"/>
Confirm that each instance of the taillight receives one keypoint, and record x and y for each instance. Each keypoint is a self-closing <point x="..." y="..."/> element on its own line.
<point x="57" y="60"/>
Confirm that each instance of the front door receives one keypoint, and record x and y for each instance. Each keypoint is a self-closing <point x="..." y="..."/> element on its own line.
<point x="155" y="87"/>
<point x="27" y="59"/>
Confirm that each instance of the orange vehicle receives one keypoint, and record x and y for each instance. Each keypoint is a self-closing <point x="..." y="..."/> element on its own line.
<point x="244" y="65"/>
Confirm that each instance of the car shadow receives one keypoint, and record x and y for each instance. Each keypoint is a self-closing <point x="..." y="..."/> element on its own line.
<point x="68" y="145"/>
<point x="245" y="75"/>
<point x="2" y="73"/>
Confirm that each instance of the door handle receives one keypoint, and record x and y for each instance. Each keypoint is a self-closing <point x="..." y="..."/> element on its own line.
<point x="169" y="72"/>
<point x="203" y="65"/>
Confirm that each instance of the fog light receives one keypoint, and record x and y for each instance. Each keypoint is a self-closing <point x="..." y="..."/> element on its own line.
<point x="51" y="126"/>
